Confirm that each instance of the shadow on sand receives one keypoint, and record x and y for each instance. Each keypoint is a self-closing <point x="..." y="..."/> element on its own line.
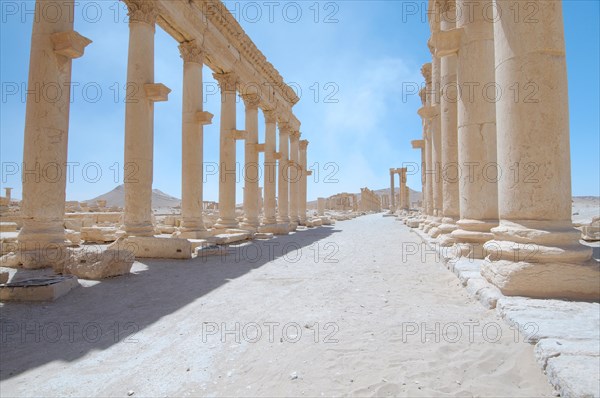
<point x="99" y="315"/>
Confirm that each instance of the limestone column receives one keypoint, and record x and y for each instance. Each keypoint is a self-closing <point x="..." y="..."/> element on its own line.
<point x="294" y="176"/>
<point x="476" y="127"/>
<point x="270" y="167"/>
<point x="227" y="167"/>
<point x="192" y="158"/>
<point x="139" y="119"/>
<point x="54" y="44"/>
<point x="283" y="177"/>
<point x="536" y="250"/>
<point x="402" y="183"/>
<point x="251" y="169"/>
<point x="321" y="204"/>
<point x="448" y="108"/>
<point x="420" y="144"/>
<point x="392" y="193"/>
<point x="303" y="182"/>
<point x="427" y="136"/>
<point x="436" y="147"/>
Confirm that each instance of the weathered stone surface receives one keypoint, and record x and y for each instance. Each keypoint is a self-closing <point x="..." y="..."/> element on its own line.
<point x="73" y="236"/>
<point x="277" y="229"/>
<point x="3" y="276"/>
<point x="91" y="263"/>
<point x="158" y="247"/>
<point x="591" y="232"/>
<point x="575" y="375"/>
<point x="487" y="294"/>
<point x="545" y="280"/>
<point x="8" y="227"/>
<point x="99" y="234"/>
<point x="547" y="349"/>
<point x="224" y="239"/>
<point x="543" y="319"/>
<point x="38" y="289"/>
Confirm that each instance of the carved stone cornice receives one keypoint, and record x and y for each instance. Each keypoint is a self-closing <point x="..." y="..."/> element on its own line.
<point x="295" y="135"/>
<point x="141" y="11"/>
<point x="191" y="52"/>
<point x="227" y="81"/>
<point x="284" y="128"/>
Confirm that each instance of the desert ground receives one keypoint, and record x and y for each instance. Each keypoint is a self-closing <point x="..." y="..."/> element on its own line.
<point x="325" y="312"/>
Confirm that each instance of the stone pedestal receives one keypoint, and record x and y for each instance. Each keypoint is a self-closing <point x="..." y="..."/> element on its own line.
<point x="251" y="168"/>
<point x="227" y="167"/>
<point x="193" y="121"/>
<point x="536" y="250"/>
<point x="53" y="46"/>
<point x="476" y="129"/>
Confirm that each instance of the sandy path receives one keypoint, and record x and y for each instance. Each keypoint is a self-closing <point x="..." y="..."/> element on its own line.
<point x="327" y="328"/>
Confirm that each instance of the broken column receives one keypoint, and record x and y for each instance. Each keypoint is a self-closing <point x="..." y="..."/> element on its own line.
<point x="194" y="119"/>
<point x="536" y="250"/>
<point x="54" y="44"/>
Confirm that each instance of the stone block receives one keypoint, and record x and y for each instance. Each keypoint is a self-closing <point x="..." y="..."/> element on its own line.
<point x="158" y="247"/>
<point x="575" y="376"/>
<point x="99" y="234"/>
<point x="90" y="263"/>
<point x="38" y="289"/>
<point x="8" y="227"/>
<point x="3" y="277"/>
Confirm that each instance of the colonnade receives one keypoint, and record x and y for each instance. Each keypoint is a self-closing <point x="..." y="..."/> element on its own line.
<point x="496" y="175"/>
<point x="369" y="200"/>
<point x="214" y="39"/>
<point x="403" y="202"/>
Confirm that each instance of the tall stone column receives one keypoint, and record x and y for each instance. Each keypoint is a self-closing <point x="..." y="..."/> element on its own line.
<point x="283" y="177"/>
<point x="474" y="37"/>
<point x="192" y="158"/>
<point x="227" y="167"/>
<point x="428" y="169"/>
<point x="270" y="169"/>
<point x="392" y="192"/>
<point x="402" y="183"/>
<point x="251" y="169"/>
<point x="321" y="205"/>
<point x="536" y="250"/>
<point x="139" y="119"/>
<point x="436" y="148"/>
<point x="303" y="182"/>
<point x="294" y="176"/>
<point x="54" y="44"/>
<point x="448" y="108"/>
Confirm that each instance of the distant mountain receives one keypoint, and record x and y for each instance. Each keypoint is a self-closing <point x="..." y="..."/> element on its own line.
<point x="116" y="197"/>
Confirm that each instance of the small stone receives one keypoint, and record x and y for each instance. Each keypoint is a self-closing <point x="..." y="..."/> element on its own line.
<point x="294" y="375"/>
<point x="130" y="393"/>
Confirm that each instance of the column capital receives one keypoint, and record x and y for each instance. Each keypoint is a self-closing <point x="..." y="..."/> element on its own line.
<point x="303" y="145"/>
<point x="228" y="81"/>
<point x="191" y="52"/>
<point x="294" y="135"/>
<point x="426" y="72"/>
<point x="270" y="115"/>
<point x="392" y="171"/>
<point x="251" y="101"/>
<point x="141" y="11"/>
<point x="284" y="128"/>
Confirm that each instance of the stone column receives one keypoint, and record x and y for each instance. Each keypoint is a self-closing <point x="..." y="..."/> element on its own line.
<point x="420" y="144"/>
<point x="261" y="201"/>
<point x="270" y="166"/>
<point x="402" y="184"/>
<point x="476" y="127"/>
<point x="448" y="108"/>
<point x="536" y="250"/>
<point x="192" y="157"/>
<point x="139" y="119"/>
<point x="436" y="143"/>
<point x="227" y="168"/>
<point x="392" y="192"/>
<point x="251" y="169"/>
<point x="321" y="204"/>
<point x="294" y="176"/>
<point x="303" y="182"/>
<point x="54" y="44"/>
<point x="427" y="136"/>
<point x="283" y="177"/>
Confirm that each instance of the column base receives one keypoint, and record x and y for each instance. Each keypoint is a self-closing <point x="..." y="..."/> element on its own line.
<point x="192" y="234"/>
<point x="223" y="223"/>
<point x="541" y="259"/>
<point x="471" y="235"/>
<point x="139" y="229"/>
<point x="277" y="229"/>
<point x="249" y="226"/>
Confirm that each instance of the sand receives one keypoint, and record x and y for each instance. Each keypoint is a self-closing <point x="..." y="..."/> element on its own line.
<point x="348" y="282"/>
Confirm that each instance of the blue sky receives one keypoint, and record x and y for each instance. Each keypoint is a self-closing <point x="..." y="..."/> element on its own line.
<point x="352" y="61"/>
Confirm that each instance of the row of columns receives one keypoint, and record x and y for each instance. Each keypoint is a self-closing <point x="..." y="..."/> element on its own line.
<point x="369" y="200"/>
<point x="55" y="44"/>
<point x="496" y="176"/>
